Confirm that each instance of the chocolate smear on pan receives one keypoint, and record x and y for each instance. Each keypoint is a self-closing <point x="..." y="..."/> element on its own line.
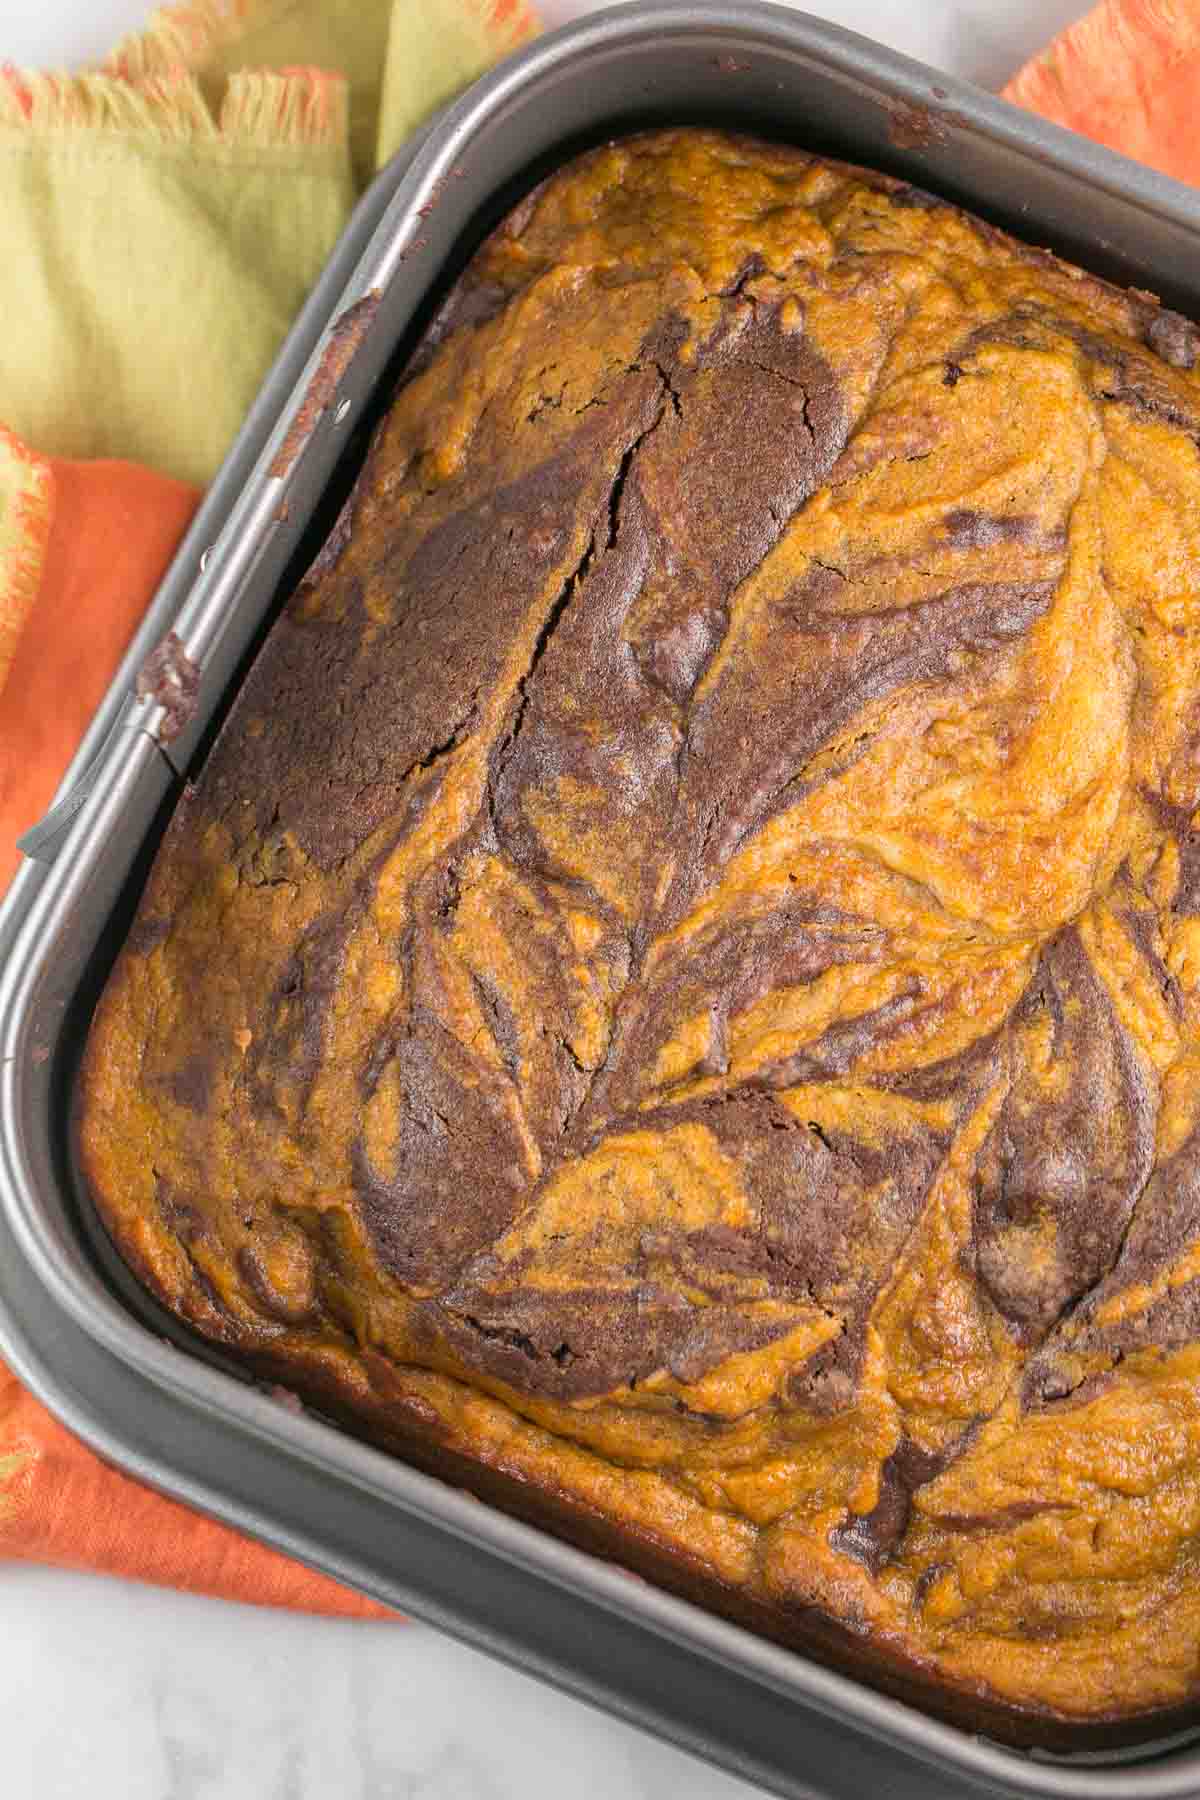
<point x="171" y="679"/>
<point x="344" y="339"/>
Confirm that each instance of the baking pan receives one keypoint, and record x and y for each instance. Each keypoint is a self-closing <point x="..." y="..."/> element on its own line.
<point x="128" y="1379"/>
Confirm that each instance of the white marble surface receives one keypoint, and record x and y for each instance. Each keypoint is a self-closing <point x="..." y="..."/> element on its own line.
<point x="109" y="1691"/>
<point x="115" y="1692"/>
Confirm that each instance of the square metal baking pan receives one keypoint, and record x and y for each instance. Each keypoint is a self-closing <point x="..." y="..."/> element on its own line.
<point x="72" y="1324"/>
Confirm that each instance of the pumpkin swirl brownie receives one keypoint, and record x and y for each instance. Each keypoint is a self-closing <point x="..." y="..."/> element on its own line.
<point x="674" y="1000"/>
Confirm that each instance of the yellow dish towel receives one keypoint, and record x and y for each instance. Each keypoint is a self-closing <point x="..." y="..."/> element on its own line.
<point x="163" y="218"/>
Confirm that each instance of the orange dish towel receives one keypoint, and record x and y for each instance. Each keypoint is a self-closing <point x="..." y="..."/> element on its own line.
<point x="82" y="548"/>
<point x="98" y="543"/>
<point x="97" y="549"/>
<point x="1127" y="75"/>
<point x="60" y="1504"/>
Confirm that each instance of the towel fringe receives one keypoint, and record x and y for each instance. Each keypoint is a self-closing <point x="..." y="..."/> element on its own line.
<point x="185" y="35"/>
<point x="292" y="106"/>
<point x="26" y="514"/>
<point x="506" y="22"/>
<point x="190" y="33"/>
<point x="171" y="107"/>
<point x="269" y="109"/>
<point x="496" y="26"/>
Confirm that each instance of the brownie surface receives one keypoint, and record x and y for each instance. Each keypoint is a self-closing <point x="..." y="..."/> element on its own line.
<point x="677" y="984"/>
